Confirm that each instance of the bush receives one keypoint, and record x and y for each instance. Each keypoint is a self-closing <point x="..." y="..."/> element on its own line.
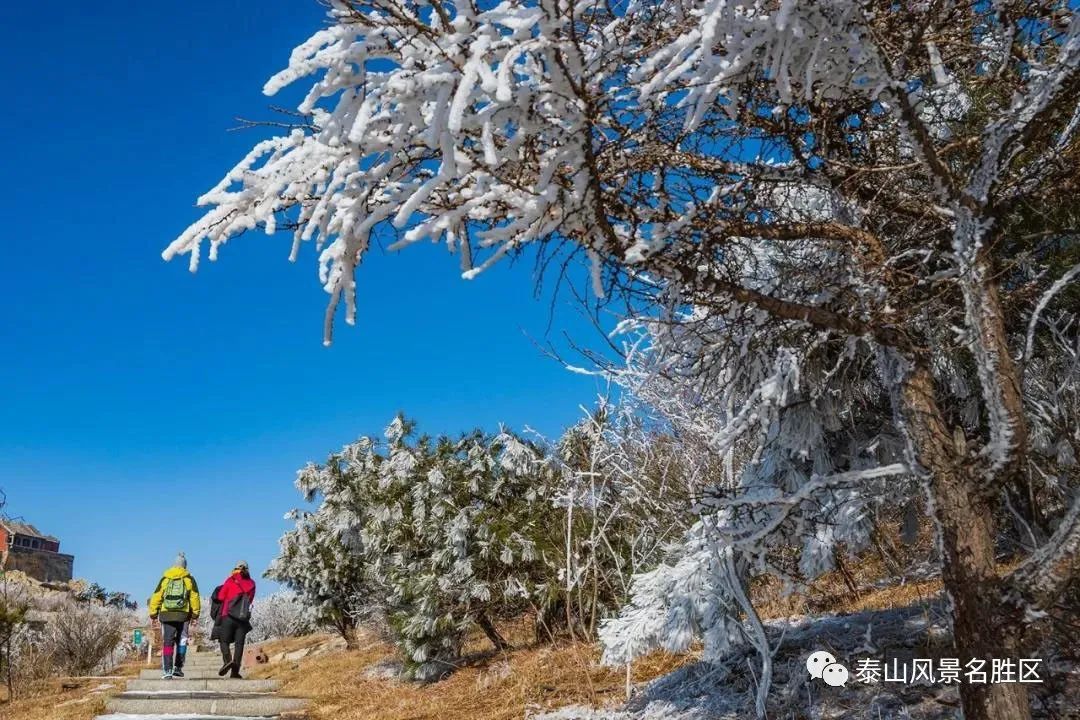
<point x="82" y="638"/>
<point x="44" y="632"/>
<point x="424" y="538"/>
<point x="31" y="657"/>
<point x="281" y="615"/>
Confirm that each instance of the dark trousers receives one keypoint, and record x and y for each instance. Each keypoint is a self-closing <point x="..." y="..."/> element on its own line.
<point x="171" y="632"/>
<point x="232" y="631"/>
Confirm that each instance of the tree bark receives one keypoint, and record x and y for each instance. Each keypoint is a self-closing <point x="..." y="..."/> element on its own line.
<point x="845" y="573"/>
<point x="989" y="322"/>
<point x="492" y="632"/>
<point x="982" y="626"/>
<point x="346" y="627"/>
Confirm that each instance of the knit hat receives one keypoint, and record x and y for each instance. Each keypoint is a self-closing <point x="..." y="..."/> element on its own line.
<point x="181" y="560"/>
<point x="242" y="565"/>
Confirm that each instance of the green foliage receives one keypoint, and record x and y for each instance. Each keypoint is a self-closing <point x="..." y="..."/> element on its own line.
<point x="98" y="595"/>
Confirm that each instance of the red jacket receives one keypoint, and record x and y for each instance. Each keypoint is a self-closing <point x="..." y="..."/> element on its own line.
<point x="233" y="587"/>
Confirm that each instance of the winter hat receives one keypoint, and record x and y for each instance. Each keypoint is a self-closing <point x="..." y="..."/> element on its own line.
<point x="181" y="560"/>
<point x="242" y="565"/>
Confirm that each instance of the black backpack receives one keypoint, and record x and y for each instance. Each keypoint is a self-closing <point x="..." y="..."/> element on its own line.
<point x="215" y="603"/>
<point x="240" y="608"/>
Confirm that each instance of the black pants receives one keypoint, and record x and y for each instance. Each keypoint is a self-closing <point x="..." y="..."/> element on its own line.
<point x="171" y="632"/>
<point x="233" y="631"/>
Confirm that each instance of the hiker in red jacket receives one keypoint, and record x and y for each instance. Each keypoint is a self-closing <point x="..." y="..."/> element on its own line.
<point x="236" y="595"/>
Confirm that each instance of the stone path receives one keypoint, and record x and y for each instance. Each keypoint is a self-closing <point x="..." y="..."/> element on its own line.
<point x="199" y="695"/>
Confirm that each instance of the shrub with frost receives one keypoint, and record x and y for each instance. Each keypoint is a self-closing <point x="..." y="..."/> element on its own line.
<point x="441" y="534"/>
<point x="83" y="639"/>
<point x="327" y="575"/>
<point x="280" y="615"/>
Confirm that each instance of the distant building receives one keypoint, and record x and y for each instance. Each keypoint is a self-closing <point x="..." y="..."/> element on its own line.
<point x="24" y="547"/>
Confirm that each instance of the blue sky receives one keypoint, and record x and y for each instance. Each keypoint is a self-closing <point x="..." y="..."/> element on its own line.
<point x="144" y="409"/>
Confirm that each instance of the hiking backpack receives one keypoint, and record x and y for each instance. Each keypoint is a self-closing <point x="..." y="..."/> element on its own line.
<point x="175" y="596"/>
<point x="240" y="608"/>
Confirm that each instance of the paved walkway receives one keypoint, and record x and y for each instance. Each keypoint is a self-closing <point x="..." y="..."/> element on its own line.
<point x="200" y="694"/>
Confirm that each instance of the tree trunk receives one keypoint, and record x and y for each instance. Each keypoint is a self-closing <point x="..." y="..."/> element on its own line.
<point x="492" y="632"/>
<point x="8" y="670"/>
<point x="350" y="637"/>
<point x="845" y="573"/>
<point x="990" y="325"/>
<point x="346" y="627"/>
<point x="548" y="620"/>
<point x="961" y="506"/>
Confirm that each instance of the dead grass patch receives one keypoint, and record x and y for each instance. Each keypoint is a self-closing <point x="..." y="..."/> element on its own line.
<point x="488" y="686"/>
<point x="64" y="699"/>
<point x="287" y="645"/>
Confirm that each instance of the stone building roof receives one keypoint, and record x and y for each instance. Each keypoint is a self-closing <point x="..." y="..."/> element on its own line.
<point x="21" y="528"/>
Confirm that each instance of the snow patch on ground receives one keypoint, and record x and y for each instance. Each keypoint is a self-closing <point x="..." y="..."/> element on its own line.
<point x="725" y="690"/>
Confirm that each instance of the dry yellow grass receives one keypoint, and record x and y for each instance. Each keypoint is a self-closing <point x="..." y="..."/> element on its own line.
<point x="500" y="686"/>
<point x="833" y="592"/>
<point x="829" y="594"/>
<point x="68" y="699"/>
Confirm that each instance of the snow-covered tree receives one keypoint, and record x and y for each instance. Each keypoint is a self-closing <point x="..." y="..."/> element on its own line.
<point x="625" y="488"/>
<point x="882" y="188"/>
<point x="439" y="534"/>
<point x="791" y="464"/>
<point x="326" y="575"/>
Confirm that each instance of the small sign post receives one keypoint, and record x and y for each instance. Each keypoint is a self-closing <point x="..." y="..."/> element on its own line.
<point x="149" y="645"/>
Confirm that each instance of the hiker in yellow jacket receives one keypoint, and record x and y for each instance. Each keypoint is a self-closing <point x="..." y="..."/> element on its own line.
<point x="175" y="603"/>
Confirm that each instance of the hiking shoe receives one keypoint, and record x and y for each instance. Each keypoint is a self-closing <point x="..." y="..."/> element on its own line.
<point x="235" y="675"/>
<point x="225" y="669"/>
<point x="168" y="675"/>
<point x="178" y="673"/>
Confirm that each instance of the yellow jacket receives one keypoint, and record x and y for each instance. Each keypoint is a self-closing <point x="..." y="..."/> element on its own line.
<point x="194" y="603"/>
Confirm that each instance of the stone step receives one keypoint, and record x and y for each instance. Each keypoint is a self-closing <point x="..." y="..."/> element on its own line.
<point x="154" y="673"/>
<point x="208" y="661"/>
<point x="210" y="703"/>
<point x="203" y="661"/>
<point x="218" y="685"/>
